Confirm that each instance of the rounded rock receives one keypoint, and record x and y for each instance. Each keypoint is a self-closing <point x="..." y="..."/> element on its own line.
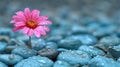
<point x="24" y="52"/>
<point x="91" y="50"/>
<point x="74" y="57"/>
<point x="69" y="44"/>
<point x="38" y="44"/>
<point x="3" y="65"/>
<point x="115" y="51"/>
<point x="10" y="59"/>
<point x="3" y="46"/>
<point x="60" y="63"/>
<point x="35" y="61"/>
<point x="101" y="61"/>
<point x="51" y="45"/>
<point x="85" y="39"/>
<point x="50" y="53"/>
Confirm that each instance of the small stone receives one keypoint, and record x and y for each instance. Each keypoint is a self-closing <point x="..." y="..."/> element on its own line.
<point x="110" y="41"/>
<point x="6" y="32"/>
<point x="38" y="44"/>
<point x="3" y="46"/>
<point x="50" y="53"/>
<point x="91" y="50"/>
<point x="35" y="61"/>
<point x="69" y="44"/>
<point x="115" y="51"/>
<point x="55" y="38"/>
<point x="101" y="61"/>
<point x="74" y="57"/>
<point x="85" y="39"/>
<point x="60" y="63"/>
<point x="51" y="45"/>
<point x="3" y="65"/>
<point x="24" y="52"/>
<point x="10" y="59"/>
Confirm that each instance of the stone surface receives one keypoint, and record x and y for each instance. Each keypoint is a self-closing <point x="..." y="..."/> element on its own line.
<point x="3" y="65"/>
<point x="24" y="52"/>
<point x="91" y="50"/>
<point x="10" y="59"/>
<point x="50" y="53"/>
<point x="69" y="44"/>
<point x="85" y="39"/>
<point x="3" y="46"/>
<point x="35" y="61"/>
<point x="100" y="61"/>
<point x="51" y="45"/>
<point x="75" y="57"/>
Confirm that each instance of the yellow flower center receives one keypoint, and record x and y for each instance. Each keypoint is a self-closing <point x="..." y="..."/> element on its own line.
<point x="31" y="24"/>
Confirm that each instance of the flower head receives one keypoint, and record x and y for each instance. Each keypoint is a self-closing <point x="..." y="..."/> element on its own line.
<point x="30" y="22"/>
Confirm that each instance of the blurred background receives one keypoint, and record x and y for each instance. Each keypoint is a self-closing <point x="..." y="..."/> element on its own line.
<point x="72" y="11"/>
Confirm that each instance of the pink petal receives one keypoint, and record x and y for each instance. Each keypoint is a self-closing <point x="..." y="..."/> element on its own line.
<point x="21" y="14"/>
<point x="36" y="32"/>
<point x="17" y="28"/>
<point x="30" y="32"/>
<point x="46" y="28"/>
<point x="19" y="24"/>
<point x="44" y="22"/>
<point x="25" y="30"/>
<point x="27" y="13"/>
<point x="43" y="18"/>
<point x="41" y="31"/>
<point x="18" y="19"/>
<point x="35" y="14"/>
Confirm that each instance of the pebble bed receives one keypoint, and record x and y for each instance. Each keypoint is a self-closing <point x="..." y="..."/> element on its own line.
<point x="73" y="41"/>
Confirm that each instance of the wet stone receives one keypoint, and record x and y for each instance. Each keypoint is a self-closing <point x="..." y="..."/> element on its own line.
<point x="115" y="51"/>
<point x="69" y="44"/>
<point x="50" y="53"/>
<point x="74" y="57"/>
<point x="35" y="61"/>
<point x="10" y="59"/>
<point x="24" y="52"/>
<point x="3" y="65"/>
<point x="60" y="63"/>
<point x="38" y="44"/>
<point x="6" y="32"/>
<point x="3" y="46"/>
<point x="91" y="50"/>
<point x="110" y="41"/>
<point x="55" y="38"/>
<point x="51" y="45"/>
<point x="101" y="61"/>
<point x="85" y="39"/>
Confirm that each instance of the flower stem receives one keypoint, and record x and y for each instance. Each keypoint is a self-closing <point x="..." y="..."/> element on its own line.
<point x="29" y="42"/>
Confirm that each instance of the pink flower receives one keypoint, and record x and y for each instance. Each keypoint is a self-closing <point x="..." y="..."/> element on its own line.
<point x="31" y="23"/>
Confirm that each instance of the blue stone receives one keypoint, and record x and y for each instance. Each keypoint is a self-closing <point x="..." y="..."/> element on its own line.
<point x="69" y="44"/>
<point x="91" y="50"/>
<point x="6" y="32"/>
<point x="38" y="44"/>
<point x="3" y="46"/>
<point x="55" y="38"/>
<point x="24" y="52"/>
<point x="101" y="61"/>
<point x="110" y="41"/>
<point x="115" y="51"/>
<point x="3" y="65"/>
<point x="51" y="45"/>
<point x="85" y="39"/>
<point x="35" y="61"/>
<point x="75" y="57"/>
<point x="60" y="63"/>
<point x="10" y="59"/>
